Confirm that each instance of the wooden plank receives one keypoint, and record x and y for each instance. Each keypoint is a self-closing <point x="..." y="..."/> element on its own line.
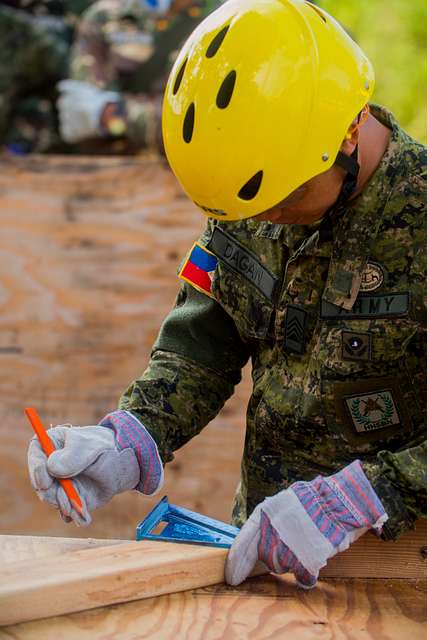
<point x="261" y="608"/>
<point x="369" y="557"/>
<point x="90" y="578"/>
<point x="267" y="607"/>
<point x="99" y="576"/>
<point x="25" y="548"/>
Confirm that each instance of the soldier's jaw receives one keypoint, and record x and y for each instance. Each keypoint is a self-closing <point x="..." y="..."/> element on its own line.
<point x="284" y="215"/>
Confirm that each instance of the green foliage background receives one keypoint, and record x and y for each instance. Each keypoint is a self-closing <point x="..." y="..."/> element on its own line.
<point x="393" y="33"/>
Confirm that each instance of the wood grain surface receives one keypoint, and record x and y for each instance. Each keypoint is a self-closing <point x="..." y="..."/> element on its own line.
<point x="90" y="575"/>
<point x="89" y="250"/>
<point x="26" y="548"/>
<point x="262" y="608"/>
<point x="90" y="578"/>
<point x="368" y="557"/>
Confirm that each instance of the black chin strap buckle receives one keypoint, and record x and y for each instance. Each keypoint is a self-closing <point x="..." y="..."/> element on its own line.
<point x="351" y="166"/>
<point x="348" y="163"/>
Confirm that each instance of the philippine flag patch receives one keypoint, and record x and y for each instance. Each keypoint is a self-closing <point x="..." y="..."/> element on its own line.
<point x="198" y="269"/>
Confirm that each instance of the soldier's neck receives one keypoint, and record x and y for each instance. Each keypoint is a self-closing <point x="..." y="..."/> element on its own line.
<point x="374" y="139"/>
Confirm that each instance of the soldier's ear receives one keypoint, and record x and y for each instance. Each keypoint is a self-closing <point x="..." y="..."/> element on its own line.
<point x="350" y="141"/>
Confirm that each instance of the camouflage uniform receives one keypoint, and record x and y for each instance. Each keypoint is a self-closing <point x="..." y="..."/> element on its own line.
<point x="335" y="330"/>
<point x="35" y="42"/>
<point x="124" y="47"/>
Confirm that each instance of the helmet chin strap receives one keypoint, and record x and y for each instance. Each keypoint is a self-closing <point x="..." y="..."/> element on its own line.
<point x="351" y="165"/>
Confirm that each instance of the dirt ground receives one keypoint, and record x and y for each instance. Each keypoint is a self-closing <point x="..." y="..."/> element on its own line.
<point x="89" y="250"/>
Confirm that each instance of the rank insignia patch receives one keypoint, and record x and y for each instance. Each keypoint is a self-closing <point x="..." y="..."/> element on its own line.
<point x="356" y="346"/>
<point x="373" y="411"/>
<point x="198" y="269"/>
<point x="295" y="328"/>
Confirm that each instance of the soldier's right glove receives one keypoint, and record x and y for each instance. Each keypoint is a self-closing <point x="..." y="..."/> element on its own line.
<point x="102" y="460"/>
<point x="80" y="107"/>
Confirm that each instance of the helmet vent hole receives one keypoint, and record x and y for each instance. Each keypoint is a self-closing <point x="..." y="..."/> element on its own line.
<point x="188" y="126"/>
<point x="226" y="90"/>
<point x="216" y="42"/>
<point x="179" y="76"/>
<point x="251" y="188"/>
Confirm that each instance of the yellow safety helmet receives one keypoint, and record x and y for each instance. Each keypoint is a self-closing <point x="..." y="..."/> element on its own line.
<point x="259" y="101"/>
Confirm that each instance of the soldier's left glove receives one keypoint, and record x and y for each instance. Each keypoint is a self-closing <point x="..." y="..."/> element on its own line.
<point x="80" y="108"/>
<point x="300" y="528"/>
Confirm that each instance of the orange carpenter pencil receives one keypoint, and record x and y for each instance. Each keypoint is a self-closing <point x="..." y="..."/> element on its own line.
<point x="48" y="448"/>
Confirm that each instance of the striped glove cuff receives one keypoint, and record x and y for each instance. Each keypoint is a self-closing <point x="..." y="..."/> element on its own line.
<point x="130" y="433"/>
<point x="342" y="504"/>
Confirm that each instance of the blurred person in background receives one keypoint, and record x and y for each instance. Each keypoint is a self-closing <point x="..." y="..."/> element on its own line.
<point x="120" y="60"/>
<point x="35" y="40"/>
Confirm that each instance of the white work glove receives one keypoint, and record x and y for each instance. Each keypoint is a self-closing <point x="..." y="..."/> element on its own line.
<point x="300" y="528"/>
<point x="101" y="460"/>
<point x="80" y="107"/>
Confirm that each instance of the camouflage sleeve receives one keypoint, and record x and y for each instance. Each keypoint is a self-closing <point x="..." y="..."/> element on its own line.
<point x="400" y="481"/>
<point x="195" y="364"/>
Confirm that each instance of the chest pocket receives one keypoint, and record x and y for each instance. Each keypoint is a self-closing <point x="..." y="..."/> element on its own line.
<point x="243" y="286"/>
<point x="367" y="370"/>
<point x="249" y="308"/>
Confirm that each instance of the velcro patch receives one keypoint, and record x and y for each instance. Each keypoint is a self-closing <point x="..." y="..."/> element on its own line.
<point x="198" y="269"/>
<point x="240" y="260"/>
<point x="356" y="346"/>
<point x="371" y="409"/>
<point x="295" y="329"/>
<point x="369" y="306"/>
<point x="372" y="277"/>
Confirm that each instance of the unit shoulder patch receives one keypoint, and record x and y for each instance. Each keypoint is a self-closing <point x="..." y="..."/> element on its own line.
<point x="198" y="269"/>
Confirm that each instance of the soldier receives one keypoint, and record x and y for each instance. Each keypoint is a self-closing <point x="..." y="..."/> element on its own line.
<point x="312" y="265"/>
<point x="35" y="41"/>
<point x="120" y="61"/>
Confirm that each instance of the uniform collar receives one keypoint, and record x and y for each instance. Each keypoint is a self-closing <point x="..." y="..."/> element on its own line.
<point x="356" y="231"/>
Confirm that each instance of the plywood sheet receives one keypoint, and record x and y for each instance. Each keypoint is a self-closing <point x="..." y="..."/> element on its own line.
<point x="261" y="609"/>
<point x="89" y="249"/>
